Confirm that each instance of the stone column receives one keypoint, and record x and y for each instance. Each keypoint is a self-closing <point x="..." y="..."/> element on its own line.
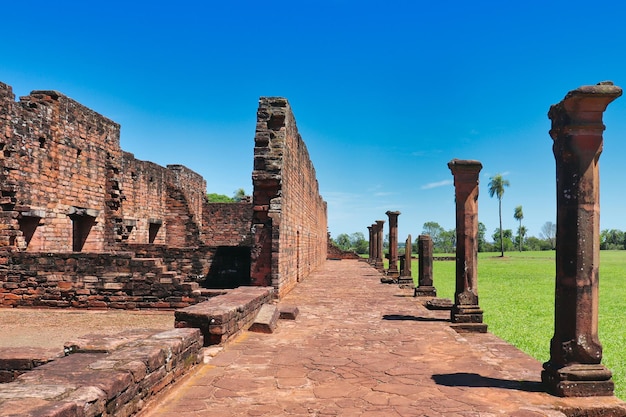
<point x="379" y="245"/>
<point x="374" y="244"/>
<point x="393" y="243"/>
<point x="466" y="315"/>
<point x="370" y="244"/>
<point x="406" y="267"/>
<point x="425" y="270"/>
<point x="574" y="368"/>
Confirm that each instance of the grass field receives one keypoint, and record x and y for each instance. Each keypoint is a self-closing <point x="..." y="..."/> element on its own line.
<point x="516" y="294"/>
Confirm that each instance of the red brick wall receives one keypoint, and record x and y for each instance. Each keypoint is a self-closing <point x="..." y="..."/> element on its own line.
<point x="64" y="176"/>
<point x="55" y="154"/>
<point x="96" y="280"/>
<point x="227" y="224"/>
<point x="289" y="215"/>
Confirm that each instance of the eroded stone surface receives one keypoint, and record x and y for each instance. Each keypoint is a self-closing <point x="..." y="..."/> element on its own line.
<point x="362" y="350"/>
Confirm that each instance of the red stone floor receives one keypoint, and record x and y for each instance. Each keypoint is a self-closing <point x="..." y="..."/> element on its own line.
<point x="362" y="348"/>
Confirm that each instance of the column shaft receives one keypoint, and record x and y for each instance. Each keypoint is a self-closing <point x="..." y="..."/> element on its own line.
<point x="393" y="243"/>
<point x="466" y="310"/>
<point x="425" y="270"/>
<point x="574" y="368"/>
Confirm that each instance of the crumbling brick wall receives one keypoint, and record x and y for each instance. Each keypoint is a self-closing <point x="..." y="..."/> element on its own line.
<point x="55" y="156"/>
<point x="67" y="185"/>
<point x="289" y="215"/>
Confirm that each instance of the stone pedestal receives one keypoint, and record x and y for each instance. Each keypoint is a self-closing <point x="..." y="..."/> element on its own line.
<point x="466" y="313"/>
<point x="425" y="286"/>
<point x="393" y="244"/>
<point x="575" y="368"/>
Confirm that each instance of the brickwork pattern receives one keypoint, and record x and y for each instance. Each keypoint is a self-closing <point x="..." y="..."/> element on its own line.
<point x="54" y="157"/>
<point x="289" y="215"/>
<point x="67" y="185"/>
<point x="95" y="280"/>
<point x="227" y="224"/>
<point x="103" y="377"/>
<point x="221" y="317"/>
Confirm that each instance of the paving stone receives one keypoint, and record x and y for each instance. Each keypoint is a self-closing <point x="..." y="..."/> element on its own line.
<point x="342" y="357"/>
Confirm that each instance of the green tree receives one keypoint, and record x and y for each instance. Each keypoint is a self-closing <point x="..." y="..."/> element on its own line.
<point x="520" y="238"/>
<point x="611" y="239"/>
<point x="507" y="239"/>
<point x="239" y="195"/>
<point x="496" y="187"/>
<point x="435" y="231"/>
<point x="548" y="233"/>
<point x="358" y="243"/>
<point x="482" y="243"/>
<point x="218" y="198"/>
<point x="448" y="241"/>
<point x="343" y="241"/>
<point x="534" y="243"/>
<point x="519" y="215"/>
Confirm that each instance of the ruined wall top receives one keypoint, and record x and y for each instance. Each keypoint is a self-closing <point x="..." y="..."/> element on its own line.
<point x="289" y="215"/>
<point x="59" y="158"/>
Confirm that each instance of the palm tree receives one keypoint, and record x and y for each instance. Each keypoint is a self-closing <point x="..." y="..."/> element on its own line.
<point x="496" y="187"/>
<point x="519" y="215"/>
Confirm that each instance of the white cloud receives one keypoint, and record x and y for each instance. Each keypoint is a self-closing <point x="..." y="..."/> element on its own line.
<point x="437" y="184"/>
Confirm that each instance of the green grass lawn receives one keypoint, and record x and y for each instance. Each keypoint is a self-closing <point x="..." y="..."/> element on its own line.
<point x="516" y="294"/>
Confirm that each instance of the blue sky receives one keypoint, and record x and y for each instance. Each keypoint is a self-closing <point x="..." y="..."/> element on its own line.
<point x="384" y="94"/>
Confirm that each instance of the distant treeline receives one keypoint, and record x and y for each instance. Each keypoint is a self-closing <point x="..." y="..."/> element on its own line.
<point x="444" y="241"/>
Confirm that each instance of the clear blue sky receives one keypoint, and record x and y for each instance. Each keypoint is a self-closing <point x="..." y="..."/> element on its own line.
<point x="385" y="94"/>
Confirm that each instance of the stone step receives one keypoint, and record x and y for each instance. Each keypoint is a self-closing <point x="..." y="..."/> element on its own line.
<point x="147" y="262"/>
<point x="288" y="312"/>
<point x="266" y="320"/>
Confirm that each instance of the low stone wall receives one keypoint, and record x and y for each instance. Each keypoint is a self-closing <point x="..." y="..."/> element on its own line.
<point x="333" y="252"/>
<point x="14" y="361"/>
<point x="190" y="262"/>
<point x="94" y="280"/>
<point x="106" y="376"/>
<point x="219" y="318"/>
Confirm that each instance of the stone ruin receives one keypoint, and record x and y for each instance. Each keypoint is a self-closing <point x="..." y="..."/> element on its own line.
<point x="574" y="368"/>
<point x="85" y="224"/>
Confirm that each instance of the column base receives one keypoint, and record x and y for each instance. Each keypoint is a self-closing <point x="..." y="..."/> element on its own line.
<point x="466" y="314"/>
<point x="469" y="327"/>
<point x="425" y="291"/>
<point x="578" y="380"/>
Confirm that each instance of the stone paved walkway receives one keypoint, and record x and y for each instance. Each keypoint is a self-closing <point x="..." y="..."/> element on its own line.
<point x="362" y="348"/>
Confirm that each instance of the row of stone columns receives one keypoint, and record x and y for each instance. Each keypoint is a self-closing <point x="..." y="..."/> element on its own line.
<point x="376" y="245"/>
<point x="574" y="368"/>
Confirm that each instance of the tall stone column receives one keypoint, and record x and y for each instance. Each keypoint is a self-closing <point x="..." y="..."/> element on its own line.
<point x="379" y="245"/>
<point x="370" y="244"/>
<point x="425" y="286"/>
<point x="406" y="268"/>
<point x="574" y="368"/>
<point x="466" y="315"/>
<point x="393" y="243"/>
<point x="405" y="280"/>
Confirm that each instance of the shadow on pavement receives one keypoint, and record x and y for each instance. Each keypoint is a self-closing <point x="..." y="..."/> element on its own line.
<point x="411" y="318"/>
<point x="464" y="379"/>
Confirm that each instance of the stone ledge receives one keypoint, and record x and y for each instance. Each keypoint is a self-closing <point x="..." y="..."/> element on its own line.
<point x="108" y="379"/>
<point x="15" y="361"/>
<point x="221" y="317"/>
